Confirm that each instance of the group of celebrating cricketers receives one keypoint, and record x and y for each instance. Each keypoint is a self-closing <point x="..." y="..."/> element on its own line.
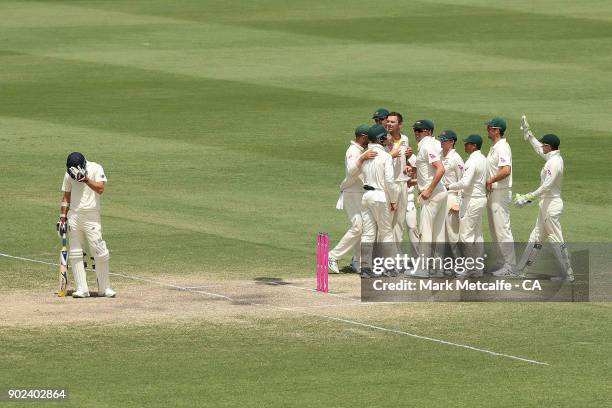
<point x="388" y="185"/>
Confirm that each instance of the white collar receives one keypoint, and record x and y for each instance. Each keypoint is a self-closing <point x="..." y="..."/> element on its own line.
<point x="500" y="141"/>
<point x="354" y="143"/>
<point x="552" y="154"/>
<point x="450" y="153"/>
<point x="425" y="138"/>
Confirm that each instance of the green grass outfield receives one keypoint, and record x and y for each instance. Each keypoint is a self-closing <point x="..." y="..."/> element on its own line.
<point x="222" y="130"/>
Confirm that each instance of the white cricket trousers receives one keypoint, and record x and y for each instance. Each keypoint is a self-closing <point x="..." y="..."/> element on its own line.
<point x="377" y="228"/>
<point x="433" y="214"/>
<point x="399" y="215"/>
<point x="85" y="226"/>
<point x="352" y="237"/>
<point x="376" y="216"/>
<point x="547" y="228"/>
<point x="498" y="209"/>
<point x="470" y="225"/>
<point x="548" y="225"/>
<point x="412" y="225"/>
<point x="452" y="223"/>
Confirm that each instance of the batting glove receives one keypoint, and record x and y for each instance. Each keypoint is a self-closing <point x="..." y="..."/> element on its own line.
<point x="62" y="226"/>
<point x="78" y="173"/>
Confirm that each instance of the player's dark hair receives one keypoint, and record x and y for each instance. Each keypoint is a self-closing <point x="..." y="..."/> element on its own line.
<point x="400" y="118"/>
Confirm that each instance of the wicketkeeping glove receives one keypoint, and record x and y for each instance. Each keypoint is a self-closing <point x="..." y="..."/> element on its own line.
<point x="78" y="173"/>
<point x="525" y="127"/>
<point x="521" y="200"/>
<point x="62" y="226"/>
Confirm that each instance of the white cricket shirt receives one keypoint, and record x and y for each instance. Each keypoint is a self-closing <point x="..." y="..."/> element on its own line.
<point x="453" y="167"/>
<point x="499" y="155"/>
<point x="473" y="181"/>
<point x="378" y="173"/>
<point x="551" y="176"/>
<point x="399" y="162"/>
<point x="430" y="151"/>
<point x="353" y="181"/>
<point x="83" y="198"/>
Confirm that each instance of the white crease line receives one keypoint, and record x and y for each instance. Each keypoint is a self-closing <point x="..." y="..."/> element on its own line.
<point x="289" y="309"/>
<point x="331" y="305"/>
<point x="28" y="259"/>
<point x="416" y="336"/>
<point x="204" y="286"/>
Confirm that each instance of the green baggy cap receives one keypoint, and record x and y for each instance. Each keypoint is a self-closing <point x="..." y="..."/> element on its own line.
<point x="423" y="124"/>
<point x="551" y="139"/>
<point x="475" y="139"/>
<point x="498" y="123"/>
<point x="362" y="130"/>
<point x="447" y="135"/>
<point x="377" y="132"/>
<point x="380" y="113"/>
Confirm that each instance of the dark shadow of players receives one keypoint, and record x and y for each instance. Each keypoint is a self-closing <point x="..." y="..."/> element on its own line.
<point x="266" y="280"/>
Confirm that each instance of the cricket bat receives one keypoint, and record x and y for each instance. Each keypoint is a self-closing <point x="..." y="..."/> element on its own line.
<point x="63" y="269"/>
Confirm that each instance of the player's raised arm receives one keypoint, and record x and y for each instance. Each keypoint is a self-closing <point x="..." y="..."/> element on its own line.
<point x="529" y="137"/>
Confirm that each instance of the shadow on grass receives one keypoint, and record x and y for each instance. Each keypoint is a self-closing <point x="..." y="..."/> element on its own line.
<point x="266" y="280"/>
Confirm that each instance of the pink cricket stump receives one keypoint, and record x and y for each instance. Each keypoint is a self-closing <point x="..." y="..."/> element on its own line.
<point x="326" y="265"/>
<point x="319" y="259"/>
<point x="322" y="262"/>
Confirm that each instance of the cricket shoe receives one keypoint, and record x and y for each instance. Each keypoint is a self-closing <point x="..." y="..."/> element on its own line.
<point x="567" y="278"/>
<point x="505" y="272"/>
<point x="109" y="293"/>
<point x="332" y="264"/>
<point x="521" y="273"/>
<point x="79" y="294"/>
<point x="419" y="273"/>
<point x="355" y="267"/>
<point x="390" y="273"/>
<point x="366" y="273"/>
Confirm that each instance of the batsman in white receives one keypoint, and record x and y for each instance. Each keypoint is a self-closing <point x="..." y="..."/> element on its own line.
<point x="499" y="186"/>
<point x="83" y="184"/>
<point x="379" y="201"/>
<point x="548" y="224"/>
<point x="473" y="202"/>
<point x="453" y="171"/>
<point x="351" y="193"/>
<point x="432" y="198"/>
